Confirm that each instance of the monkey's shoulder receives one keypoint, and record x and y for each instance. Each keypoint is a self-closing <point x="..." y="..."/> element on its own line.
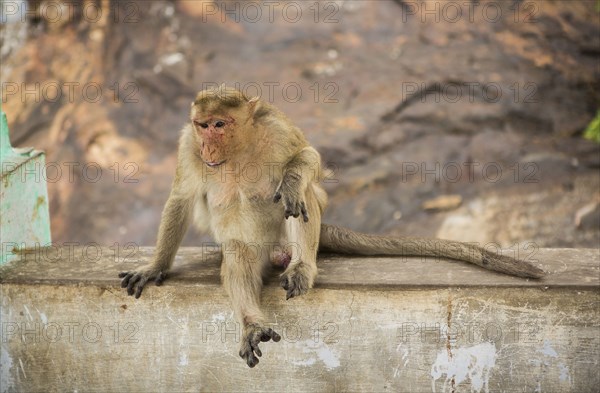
<point x="279" y="127"/>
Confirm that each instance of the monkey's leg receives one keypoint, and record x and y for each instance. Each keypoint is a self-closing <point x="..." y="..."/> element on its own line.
<point x="302" y="239"/>
<point x="241" y="272"/>
<point x="173" y="224"/>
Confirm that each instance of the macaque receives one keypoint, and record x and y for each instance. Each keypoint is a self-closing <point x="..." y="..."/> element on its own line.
<point x="247" y="175"/>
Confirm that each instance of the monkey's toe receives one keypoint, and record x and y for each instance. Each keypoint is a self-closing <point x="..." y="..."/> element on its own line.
<point x="160" y="279"/>
<point x="285" y="283"/>
<point x="293" y="292"/>
<point x="295" y="284"/>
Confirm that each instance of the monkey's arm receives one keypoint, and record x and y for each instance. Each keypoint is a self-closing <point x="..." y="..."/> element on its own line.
<point x="173" y="225"/>
<point x="302" y="169"/>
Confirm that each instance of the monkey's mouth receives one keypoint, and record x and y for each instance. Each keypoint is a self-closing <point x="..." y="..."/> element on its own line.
<point x="215" y="164"/>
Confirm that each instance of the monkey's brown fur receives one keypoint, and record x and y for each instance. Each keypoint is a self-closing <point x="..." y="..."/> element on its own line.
<point x="238" y="158"/>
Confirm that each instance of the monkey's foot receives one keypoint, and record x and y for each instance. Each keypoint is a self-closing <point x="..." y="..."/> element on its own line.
<point x="293" y="204"/>
<point x="253" y="335"/>
<point x="135" y="280"/>
<point x="296" y="280"/>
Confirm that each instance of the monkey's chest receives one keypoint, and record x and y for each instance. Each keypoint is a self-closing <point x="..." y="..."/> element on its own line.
<point x="244" y="213"/>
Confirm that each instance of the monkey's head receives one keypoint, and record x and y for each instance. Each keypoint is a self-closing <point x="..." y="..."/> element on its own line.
<point x="222" y="123"/>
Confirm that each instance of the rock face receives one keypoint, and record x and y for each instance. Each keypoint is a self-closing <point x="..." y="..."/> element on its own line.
<point x="407" y="102"/>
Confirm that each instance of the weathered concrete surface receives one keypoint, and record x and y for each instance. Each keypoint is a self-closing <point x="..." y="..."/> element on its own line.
<point x="370" y="324"/>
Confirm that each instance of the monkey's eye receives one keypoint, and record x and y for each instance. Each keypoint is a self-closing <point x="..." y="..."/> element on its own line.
<point x="203" y="125"/>
<point x="219" y="124"/>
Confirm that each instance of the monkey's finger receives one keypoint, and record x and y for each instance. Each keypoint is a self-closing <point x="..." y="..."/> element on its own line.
<point x="249" y="357"/>
<point x="123" y="274"/>
<point x="252" y="360"/>
<point x="140" y="287"/>
<point x="265" y="336"/>
<point x="132" y="282"/>
<point x="304" y="212"/>
<point x="292" y="207"/>
<point x="268" y="335"/>
<point x="254" y="339"/>
<point x="277" y="197"/>
<point x="159" y="279"/>
<point x="274" y="336"/>
<point x="125" y="280"/>
<point x="257" y="351"/>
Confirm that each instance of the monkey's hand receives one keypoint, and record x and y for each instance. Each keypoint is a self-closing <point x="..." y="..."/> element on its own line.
<point x="135" y="280"/>
<point x="253" y="335"/>
<point x="289" y="191"/>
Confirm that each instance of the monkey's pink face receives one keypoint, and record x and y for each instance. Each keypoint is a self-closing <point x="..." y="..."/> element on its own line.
<point x="215" y="136"/>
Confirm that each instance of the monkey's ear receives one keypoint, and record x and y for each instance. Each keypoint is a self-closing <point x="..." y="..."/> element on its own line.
<point x="252" y="104"/>
<point x="253" y="107"/>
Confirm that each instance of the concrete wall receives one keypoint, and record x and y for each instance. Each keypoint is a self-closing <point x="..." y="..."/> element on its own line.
<point x="371" y="324"/>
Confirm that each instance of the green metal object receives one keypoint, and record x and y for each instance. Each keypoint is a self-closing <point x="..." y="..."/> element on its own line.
<point x="24" y="216"/>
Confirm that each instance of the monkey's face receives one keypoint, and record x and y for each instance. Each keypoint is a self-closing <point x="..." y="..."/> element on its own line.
<point x="221" y="120"/>
<point x="216" y="138"/>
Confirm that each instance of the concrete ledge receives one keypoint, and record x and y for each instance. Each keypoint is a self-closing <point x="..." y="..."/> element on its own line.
<point x="370" y="324"/>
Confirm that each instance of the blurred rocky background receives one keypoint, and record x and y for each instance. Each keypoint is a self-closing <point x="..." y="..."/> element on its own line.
<point x="437" y="118"/>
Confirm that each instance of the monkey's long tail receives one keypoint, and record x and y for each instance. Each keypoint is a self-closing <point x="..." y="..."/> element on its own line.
<point x="343" y="240"/>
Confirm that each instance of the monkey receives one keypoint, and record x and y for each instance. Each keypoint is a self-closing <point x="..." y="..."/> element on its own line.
<point x="270" y="218"/>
